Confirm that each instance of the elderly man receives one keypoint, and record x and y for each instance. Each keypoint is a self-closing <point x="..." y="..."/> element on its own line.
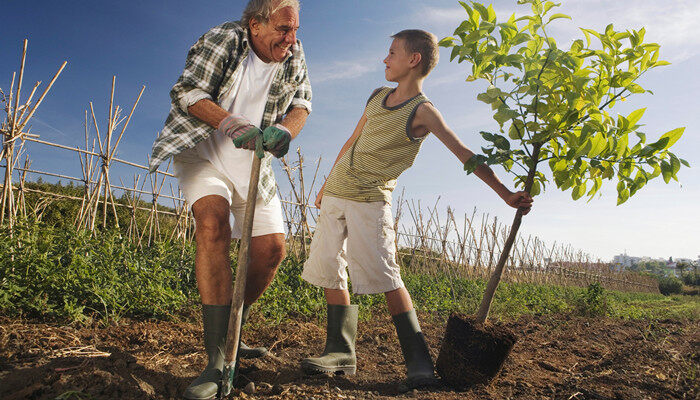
<point x="245" y="89"/>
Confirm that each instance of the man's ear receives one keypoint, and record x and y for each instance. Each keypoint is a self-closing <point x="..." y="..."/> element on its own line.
<point x="254" y="26"/>
<point x="415" y="59"/>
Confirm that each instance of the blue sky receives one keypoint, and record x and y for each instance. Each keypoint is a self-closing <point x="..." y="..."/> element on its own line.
<point x="145" y="43"/>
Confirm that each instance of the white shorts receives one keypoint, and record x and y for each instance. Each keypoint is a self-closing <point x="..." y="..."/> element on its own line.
<point x="367" y="231"/>
<point x="197" y="177"/>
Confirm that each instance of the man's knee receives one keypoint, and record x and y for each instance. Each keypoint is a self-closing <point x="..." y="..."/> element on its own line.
<point x="269" y="250"/>
<point x="212" y="230"/>
<point x="211" y="216"/>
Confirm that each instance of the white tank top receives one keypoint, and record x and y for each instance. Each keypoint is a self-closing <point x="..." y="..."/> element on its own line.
<point x="248" y="96"/>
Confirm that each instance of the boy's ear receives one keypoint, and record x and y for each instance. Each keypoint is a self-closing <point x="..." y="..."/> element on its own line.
<point x="415" y="59"/>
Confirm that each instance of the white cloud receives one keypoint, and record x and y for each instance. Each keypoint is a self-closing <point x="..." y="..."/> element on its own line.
<point x="341" y="70"/>
<point x="671" y="24"/>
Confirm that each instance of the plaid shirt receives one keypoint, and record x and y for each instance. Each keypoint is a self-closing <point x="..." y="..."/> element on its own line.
<point x="210" y="71"/>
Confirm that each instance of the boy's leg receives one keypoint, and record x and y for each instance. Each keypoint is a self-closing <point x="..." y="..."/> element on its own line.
<point x="340" y="297"/>
<point x="398" y="301"/>
<point x="326" y="267"/>
<point x="419" y="363"/>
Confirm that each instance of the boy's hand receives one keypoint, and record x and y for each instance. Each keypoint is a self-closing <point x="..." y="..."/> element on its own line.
<point x="520" y="199"/>
<point x="276" y="140"/>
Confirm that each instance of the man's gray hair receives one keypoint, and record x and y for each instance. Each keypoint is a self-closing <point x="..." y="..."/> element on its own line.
<point x="261" y="10"/>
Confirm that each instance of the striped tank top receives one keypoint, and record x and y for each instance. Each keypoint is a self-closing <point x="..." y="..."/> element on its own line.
<point x="385" y="148"/>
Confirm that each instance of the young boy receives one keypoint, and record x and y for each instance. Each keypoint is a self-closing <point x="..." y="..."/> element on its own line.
<point x="355" y="204"/>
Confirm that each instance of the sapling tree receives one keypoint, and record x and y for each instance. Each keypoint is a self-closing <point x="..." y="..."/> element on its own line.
<point x="553" y="108"/>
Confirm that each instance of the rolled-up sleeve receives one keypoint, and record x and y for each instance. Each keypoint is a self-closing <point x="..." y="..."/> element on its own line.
<point x="302" y="97"/>
<point x="204" y="69"/>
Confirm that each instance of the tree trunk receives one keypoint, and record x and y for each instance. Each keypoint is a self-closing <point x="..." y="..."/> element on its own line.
<point x="495" y="279"/>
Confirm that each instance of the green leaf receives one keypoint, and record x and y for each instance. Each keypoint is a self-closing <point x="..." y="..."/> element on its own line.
<point x="482" y="10"/>
<point x="622" y="145"/>
<point x="666" y="171"/>
<point x="557" y="16"/>
<point x="598" y="144"/>
<point x="672" y="136"/>
<point x="634" y="88"/>
<point x="635" y="116"/>
<point x="535" y="189"/>
<point x="446" y="42"/>
<point x="474" y="162"/>
<point x="516" y="130"/>
<point x="623" y="196"/>
<point x="485" y="98"/>
<point x="579" y="191"/>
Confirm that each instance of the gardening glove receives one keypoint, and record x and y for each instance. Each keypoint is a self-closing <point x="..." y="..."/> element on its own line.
<point x="276" y="140"/>
<point x="244" y="134"/>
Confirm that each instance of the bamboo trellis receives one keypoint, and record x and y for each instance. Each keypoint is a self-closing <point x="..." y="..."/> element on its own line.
<point x="13" y="130"/>
<point x="425" y="239"/>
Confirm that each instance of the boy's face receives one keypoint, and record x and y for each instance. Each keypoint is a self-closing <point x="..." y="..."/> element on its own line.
<point x="398" y="62"/>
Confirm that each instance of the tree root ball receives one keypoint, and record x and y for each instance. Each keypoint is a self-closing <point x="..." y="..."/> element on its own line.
<point x="472" y="353"/>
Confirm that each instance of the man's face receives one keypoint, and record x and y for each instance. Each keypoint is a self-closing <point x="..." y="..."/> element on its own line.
<point x="398" y="62"/>
<point x="273" y="40"/>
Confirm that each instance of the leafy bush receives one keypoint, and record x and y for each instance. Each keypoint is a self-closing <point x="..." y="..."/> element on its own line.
<point x="670" y="285"/>
<point x="592" y="302"/>
<point x="55" y="272"/>
<point x="691" y="279"/>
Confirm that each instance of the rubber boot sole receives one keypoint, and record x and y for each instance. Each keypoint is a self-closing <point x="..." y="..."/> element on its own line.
<point x="313" y="369"/>
<point x="418" y="383"/>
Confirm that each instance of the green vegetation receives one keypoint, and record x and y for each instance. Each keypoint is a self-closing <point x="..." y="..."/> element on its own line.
<point x="56" y="273"/>
<point x="670" y="285"/>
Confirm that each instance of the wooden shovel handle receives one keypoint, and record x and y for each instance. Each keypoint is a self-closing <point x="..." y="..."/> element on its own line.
<point x="234" y="322"/>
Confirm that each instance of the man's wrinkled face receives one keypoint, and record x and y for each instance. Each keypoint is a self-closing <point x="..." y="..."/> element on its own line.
<point x="273" y="40"/>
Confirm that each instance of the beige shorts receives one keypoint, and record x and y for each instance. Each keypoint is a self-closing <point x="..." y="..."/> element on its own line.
<point x="366" y="231"/>
<point x="197" y="178"/>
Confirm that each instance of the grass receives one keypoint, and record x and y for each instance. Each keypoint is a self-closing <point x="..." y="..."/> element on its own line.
<point x="53" y="272"/>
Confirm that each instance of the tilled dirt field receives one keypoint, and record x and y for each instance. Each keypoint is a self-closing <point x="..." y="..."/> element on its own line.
<point x="560" y="357"/>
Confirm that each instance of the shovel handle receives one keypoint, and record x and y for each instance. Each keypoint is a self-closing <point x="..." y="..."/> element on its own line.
<point x="234" y="322"/>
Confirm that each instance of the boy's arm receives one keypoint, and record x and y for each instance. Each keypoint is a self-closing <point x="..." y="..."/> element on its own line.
<point x="346" y="146"/>
<point x="430" y="119"/>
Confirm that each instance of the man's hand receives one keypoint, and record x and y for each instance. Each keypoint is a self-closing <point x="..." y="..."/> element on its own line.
<point x="276" y="140"/>
<point x="520" y="199"/>
<point x="244" y="134"/>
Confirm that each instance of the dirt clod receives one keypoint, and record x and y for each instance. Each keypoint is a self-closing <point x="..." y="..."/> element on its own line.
<point x="472" y="353"/>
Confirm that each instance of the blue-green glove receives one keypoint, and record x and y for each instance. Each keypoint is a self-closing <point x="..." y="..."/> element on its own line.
<point x="244" y="134"/>
<point x="276" y="140"/>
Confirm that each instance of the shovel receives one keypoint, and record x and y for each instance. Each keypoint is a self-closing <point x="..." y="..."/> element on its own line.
<point x="234" y="322"/>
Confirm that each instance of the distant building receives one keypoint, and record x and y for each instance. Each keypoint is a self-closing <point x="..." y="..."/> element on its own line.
<point x="623" y="261"/>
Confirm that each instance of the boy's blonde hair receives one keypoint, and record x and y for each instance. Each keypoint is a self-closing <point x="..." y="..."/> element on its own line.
<point x="424" y="43"/>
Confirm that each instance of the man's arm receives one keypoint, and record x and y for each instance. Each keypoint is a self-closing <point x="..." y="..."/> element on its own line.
<point x="430" y="119"/>
<point x="346" y="146"/>
<point x="295" y="120"/>
<point x="208" y="112"/>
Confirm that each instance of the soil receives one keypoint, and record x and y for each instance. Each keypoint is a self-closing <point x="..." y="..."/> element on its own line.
<point x="555" y="356"/>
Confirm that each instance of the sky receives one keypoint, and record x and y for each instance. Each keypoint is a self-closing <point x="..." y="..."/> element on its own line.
<point x="145" y="43"/>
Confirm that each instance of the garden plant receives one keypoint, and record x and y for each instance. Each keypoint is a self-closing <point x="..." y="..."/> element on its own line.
<point x="553" y="107"/>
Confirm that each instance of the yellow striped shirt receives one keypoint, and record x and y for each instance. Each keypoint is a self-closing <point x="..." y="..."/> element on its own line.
<point x="385" y="148"/>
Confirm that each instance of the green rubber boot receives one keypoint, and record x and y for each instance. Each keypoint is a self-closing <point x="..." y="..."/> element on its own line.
<point x="339" y="355"/>
<point x="419" y="364"/>
<point x="215" y="321"/>
<point x="244" y="350"/>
